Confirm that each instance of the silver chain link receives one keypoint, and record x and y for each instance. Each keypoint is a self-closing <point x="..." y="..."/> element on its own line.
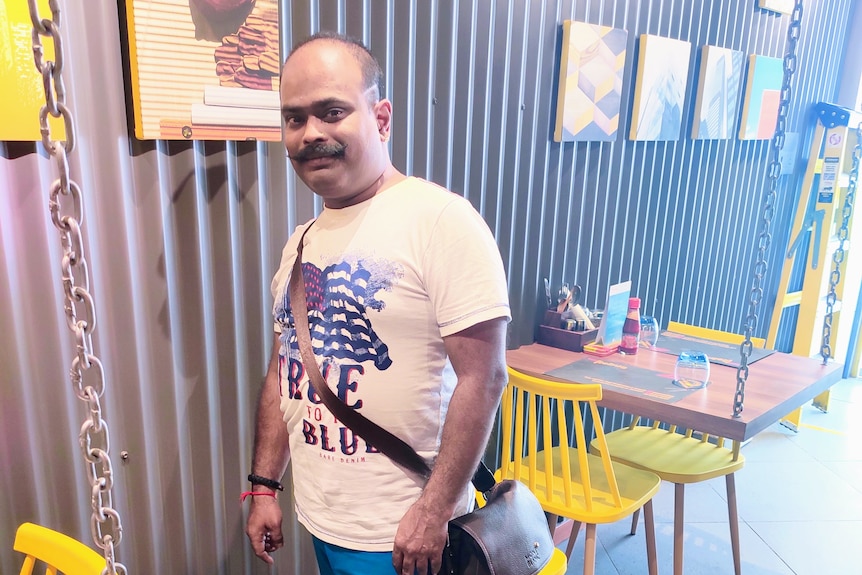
<point x="768" y="210"/>
<point x="838" y="255"/>
<point x="67" y="214"/>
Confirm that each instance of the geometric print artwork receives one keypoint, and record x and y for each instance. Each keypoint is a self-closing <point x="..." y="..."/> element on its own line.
<point x="762" y="97"/>
<point x="715" y="110"/>
<point x="660" y="88"/>
<point x="591" y="77"/>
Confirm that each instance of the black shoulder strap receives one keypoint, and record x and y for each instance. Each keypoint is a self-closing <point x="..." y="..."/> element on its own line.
<point x="384" y="441"/>
<point x="389" y="444"/>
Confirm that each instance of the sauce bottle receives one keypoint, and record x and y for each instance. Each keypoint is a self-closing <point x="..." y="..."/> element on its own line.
<point x="631" y="328"/>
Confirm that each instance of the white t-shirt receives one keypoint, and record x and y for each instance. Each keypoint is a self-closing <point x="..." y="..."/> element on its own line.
<point x="386" y="280"/>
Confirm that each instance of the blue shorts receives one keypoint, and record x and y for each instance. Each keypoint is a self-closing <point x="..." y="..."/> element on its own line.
<point x="335" y="560"/>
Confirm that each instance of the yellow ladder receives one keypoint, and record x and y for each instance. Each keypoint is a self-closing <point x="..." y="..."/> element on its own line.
<point x="818" y="218"/>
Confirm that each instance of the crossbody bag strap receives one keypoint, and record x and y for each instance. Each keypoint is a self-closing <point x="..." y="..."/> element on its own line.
<point x="387" y="443"/>
<point x="382" y="440"/>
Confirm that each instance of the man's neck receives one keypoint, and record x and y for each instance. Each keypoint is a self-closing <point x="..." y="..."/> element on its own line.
<point x="387" y="179"/>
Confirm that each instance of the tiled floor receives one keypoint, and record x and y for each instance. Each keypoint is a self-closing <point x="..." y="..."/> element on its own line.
<point x="799" y="501"/>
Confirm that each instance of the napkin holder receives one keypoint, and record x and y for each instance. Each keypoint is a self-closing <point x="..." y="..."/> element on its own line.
<point x="550" y="333"/>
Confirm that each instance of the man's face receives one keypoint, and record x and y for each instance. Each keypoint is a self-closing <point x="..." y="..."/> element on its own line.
<point x="334" y="135"/>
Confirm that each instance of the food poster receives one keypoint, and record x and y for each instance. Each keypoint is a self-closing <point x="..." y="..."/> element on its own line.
<point x="205" y="69"/>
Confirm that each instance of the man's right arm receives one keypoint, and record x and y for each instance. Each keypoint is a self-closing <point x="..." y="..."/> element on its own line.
<point x="270" y="458"/>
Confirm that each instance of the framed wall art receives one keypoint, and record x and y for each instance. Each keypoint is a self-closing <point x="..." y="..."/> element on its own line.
<point x="762" y="97"/>
<point x="716" y="107"/>
<point x="591" y="76"/>
<point x="205" y="69"/>
<point x="660" y="88"/>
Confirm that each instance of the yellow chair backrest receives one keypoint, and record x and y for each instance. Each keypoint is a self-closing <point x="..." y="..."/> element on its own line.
<point x="713" y="334"/>
<point x="551" y="415"/>
<point x="60" y="552"/>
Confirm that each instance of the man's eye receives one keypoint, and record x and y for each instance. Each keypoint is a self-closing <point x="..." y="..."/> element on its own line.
<point x="333" y="115"/>
<point x="293" y="120"/>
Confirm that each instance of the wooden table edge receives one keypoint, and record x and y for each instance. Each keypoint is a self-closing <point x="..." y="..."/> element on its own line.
<point x="734" y="428"/>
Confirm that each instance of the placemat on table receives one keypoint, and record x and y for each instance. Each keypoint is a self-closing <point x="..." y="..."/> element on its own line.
<point x="622" y="377"/>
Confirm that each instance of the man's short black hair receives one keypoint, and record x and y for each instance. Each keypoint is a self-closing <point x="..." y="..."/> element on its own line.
<point x="372" y="74"/>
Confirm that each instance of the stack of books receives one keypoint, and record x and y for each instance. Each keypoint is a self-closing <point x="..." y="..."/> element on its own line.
<point x="225" y="111"/>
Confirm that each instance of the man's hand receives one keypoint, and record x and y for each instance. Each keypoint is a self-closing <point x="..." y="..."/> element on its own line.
<point x="264" y="527"/>
<point x="420" y="540"/>
<point x="478" y="355"/>
<point x="271" y="454"/>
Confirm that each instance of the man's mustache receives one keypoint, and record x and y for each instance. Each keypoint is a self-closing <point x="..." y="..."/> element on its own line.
<point x="319" y="151"/>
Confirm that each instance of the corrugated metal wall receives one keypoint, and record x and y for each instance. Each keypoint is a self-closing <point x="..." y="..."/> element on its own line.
<point x="183" y="239"/>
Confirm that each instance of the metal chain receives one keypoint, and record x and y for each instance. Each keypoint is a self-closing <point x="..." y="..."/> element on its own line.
<point x="838" y="255"/>
<point x="67" y="214"/>
<point x="768" y="210"/>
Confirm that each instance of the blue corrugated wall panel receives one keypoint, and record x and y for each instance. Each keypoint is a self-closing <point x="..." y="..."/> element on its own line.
<point x="184" y="238"/>
<point x="474" y="87"/>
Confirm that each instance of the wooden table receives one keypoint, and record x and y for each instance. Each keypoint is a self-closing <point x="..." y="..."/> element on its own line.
<point x="777" y="384"/>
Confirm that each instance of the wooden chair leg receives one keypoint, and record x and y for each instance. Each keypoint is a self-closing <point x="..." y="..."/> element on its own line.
<point x="576" y="528"/>
<point x="590" y="550"/>
<point x="635" y="516"/>
<point x="552" y="523"/>
<point x="678" y="526"/>
<point x="733" y="519"/>
<point x="649" y="527"/>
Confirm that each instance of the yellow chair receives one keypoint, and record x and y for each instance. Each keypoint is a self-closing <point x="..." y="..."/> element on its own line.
<point x="682" y="456"/>
<point x="557" y="565"/>
<point x="541" y="420"/>
<point x="60" y="552"/>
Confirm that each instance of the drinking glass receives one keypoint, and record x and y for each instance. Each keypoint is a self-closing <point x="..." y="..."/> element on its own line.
<point x="692" y="370"/>
<point x="649" y="331"/>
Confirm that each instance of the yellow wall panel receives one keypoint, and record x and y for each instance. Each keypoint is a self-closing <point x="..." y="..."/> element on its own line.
<point x="21" y="92"/>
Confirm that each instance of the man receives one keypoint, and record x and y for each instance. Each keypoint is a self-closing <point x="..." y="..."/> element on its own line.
<point x="408" y="310"/>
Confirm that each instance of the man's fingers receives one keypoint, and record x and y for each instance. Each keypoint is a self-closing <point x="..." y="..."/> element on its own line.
<point x="397" y="560"/>
<point x="272" y="542"/>
<point x="263" y="543"/>
<point x="422" y="561"/>
<point x="419" y="567"/>
<point x="436" y="564"/>
<point x="275" y="537"/>
<point x="259" y="546"/>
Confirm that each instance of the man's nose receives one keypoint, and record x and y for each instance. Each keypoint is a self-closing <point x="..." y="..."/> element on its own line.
<point x="314" y="130"/>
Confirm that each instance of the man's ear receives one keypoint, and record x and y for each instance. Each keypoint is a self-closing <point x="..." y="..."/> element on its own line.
<point x="383" y="116"/>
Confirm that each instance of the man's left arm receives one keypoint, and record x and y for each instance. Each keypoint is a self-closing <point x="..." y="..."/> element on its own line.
<point x="478" y="356"/>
